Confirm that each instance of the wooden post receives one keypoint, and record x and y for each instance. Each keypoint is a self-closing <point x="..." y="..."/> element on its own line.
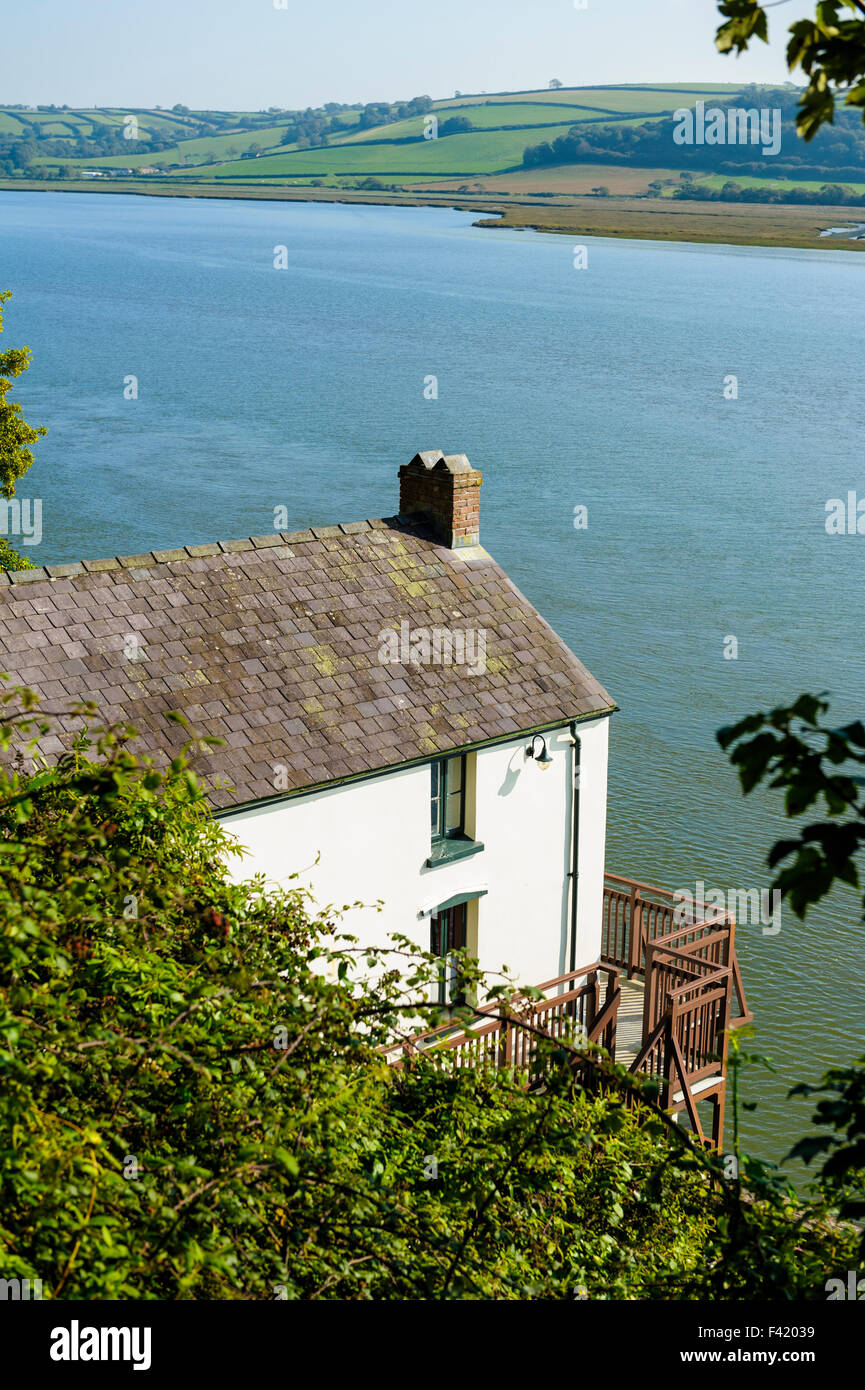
<point x="650" y="991"/>
<point x="635" y="935"/>
<point x="718" y="1118"/>
<point x="593" y="1000"/>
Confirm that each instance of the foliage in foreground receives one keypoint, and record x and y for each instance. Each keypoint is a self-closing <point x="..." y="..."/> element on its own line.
<point x="820" y="768"/>
<point x="192" y="1104"/>
<point x="829" y="48"/>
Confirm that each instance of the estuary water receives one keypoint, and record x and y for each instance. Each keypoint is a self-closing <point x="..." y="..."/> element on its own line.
<point x="191" y="387"/>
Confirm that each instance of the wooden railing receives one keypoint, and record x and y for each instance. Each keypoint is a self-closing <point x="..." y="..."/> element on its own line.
<point x="693" y="997"/>
<point x="637" y="914"/>
<point x="506" y="1038"/>
<point x="686" y="1020"/>
<point x="691" y="975"/>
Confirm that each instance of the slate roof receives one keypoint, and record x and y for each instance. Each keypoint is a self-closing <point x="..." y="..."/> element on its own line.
<point x="273" y="645"/>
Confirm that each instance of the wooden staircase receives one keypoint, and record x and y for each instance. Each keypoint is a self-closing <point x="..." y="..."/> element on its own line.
<point x="662" y="1000"/>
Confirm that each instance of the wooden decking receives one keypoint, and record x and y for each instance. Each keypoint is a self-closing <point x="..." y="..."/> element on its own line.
<point x="661" y="1001"/>
<point x="629" y="1021"/>
<point x="686" y="976"/>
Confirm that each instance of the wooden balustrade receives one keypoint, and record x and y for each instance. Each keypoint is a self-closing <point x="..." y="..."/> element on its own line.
<point x="506" y="1038"/>
<point x="693" y="997"/>
<point x="637" y="915"/>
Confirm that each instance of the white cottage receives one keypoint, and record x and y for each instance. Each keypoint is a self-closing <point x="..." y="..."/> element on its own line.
<point x="398" y="724"/>
<point x="458" y="773"/>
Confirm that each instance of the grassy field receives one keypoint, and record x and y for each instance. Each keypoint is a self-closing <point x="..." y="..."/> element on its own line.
<point x="718" y="181"/>
<point x="567" y="180"/>
<point x="505" y="124"/>
<point x="532" y="114"/>
<point x="626" y="100"/>
<point x="204" y="149"/>
<point x="480" y="152"/>
<point x="69" y="124"/>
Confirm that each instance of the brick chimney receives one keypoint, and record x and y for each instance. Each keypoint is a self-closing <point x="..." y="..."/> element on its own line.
<point x="443" y="491"/>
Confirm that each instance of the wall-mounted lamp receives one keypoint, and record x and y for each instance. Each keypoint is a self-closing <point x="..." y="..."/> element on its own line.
<point x="540" y="755"/>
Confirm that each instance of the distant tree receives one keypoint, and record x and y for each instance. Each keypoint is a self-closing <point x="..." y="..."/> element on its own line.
<point x="602" y="191"/>
<point x="835" y="192"/>
<point x="687" y="176"/>
<point x="23" y="153"/>
<point x="555" y="84"/>
<point x="373" y="114"/>
<point x="455" y="125"/>
<point x="16" y="436"/>
<point x="180" y="110"/>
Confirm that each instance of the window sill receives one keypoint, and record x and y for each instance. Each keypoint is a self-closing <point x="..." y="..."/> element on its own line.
<point x="446" y="851"/>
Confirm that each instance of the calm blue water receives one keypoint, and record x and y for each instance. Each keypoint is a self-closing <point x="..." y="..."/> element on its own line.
<point x="304" y="388"/>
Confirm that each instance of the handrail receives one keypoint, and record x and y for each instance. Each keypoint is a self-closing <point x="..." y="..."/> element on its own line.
<point x="690" y="958"/>
<point x="635" y="883"/>
<point x="580" y="1005"/>
<point x="714" y="935"/>
<point x="574" y="974"/>
<point x="629" y="919"/>
<point x="691" y="973"/>
<point x="704" y="981"/>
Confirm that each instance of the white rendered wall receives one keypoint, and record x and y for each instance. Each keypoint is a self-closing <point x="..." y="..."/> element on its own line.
<point x="372" y="839"/>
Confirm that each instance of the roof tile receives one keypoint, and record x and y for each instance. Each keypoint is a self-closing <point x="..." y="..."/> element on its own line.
<point x="275" y="644"/>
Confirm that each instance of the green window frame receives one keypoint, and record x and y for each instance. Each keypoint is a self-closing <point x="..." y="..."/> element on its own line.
<point x="448" y="933"/>
<point x="448" y="798"/>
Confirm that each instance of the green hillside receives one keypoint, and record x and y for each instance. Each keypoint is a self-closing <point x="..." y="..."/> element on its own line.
<point x="334" y="143"/>
<point x="484" y="152"/>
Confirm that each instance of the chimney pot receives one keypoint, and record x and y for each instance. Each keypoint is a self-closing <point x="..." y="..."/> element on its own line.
<point x="443" y="491"/>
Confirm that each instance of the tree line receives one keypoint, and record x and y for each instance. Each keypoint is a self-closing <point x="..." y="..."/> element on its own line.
<point x="838" y="151"/>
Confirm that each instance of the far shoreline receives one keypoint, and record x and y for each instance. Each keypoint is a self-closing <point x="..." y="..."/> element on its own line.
<point x="771" y="225"/>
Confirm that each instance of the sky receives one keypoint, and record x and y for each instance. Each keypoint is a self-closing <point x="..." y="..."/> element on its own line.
<point x="252" y="54"/>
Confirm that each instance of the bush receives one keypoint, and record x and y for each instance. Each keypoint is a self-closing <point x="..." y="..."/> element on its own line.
<point x="193" y="1104"/>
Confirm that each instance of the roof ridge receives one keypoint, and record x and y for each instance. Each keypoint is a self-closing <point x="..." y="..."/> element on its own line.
<point x="149" y="559"/>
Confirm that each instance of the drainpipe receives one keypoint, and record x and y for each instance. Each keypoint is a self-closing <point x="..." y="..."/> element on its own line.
<point x="575" y="845"/>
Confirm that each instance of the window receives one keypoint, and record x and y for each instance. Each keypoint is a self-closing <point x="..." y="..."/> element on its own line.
<point x="448" y="798"/>
<point x="448" y="934"/>
<point x="452" y="799"/>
